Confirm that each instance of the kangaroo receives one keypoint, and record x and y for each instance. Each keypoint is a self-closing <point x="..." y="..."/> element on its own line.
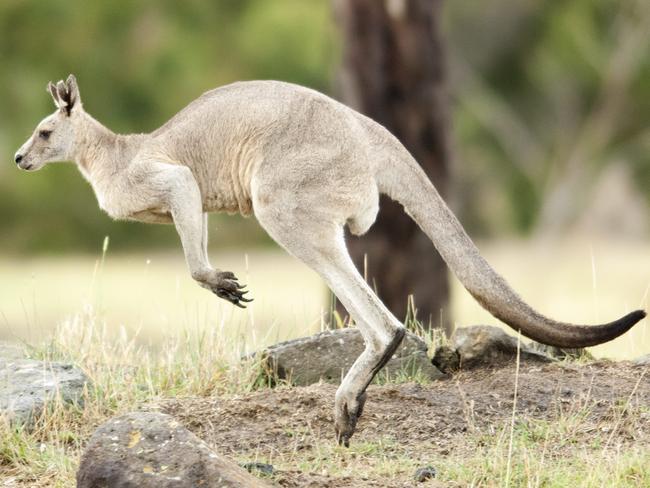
<point x="306" y="166"/>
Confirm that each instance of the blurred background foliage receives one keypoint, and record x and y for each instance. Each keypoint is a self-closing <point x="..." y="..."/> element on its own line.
<point x="553" y="114"/>
<point x="551" y="103"/>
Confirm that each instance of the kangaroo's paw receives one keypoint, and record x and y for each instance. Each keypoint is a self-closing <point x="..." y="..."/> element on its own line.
<point x="347" y="412"/>
<point x="226" y="286"/>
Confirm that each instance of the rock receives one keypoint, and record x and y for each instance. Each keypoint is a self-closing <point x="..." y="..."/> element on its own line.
<point x="152" y="450"/>
<point x="262" y="468"/>
<point x="10" y="350"/>
<point x="642" y="361"/>
<point x="423" y="474"/>
<point x="560" y="353"/>
<point x="329" y="355"/>
<point x="484" y="345"/>
<point x="446" y="359"/>
<point x="27" y="384"/>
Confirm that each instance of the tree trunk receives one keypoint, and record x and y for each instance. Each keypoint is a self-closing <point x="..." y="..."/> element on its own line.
<point x="393" y="70"/>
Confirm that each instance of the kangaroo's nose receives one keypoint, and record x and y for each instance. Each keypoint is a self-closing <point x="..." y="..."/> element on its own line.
<point x="18" y="158"/>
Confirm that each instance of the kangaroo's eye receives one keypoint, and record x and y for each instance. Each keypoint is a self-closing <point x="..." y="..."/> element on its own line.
<point x="44" y="134"/>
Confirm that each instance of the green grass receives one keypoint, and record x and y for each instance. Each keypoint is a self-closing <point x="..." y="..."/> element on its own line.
<point x="542" y="456"/>
<point x="530" y="467"/>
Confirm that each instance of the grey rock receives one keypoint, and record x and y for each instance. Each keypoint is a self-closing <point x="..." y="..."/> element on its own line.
<point x="262" y="468"/>
<point x="560" y="353"/>
<point x="152" y="450"/>
<point x="642" y="360"/>
<point x="423" y="474"/>
<point x="484" y="345"/>
<point x="27" y="384"/>
<point x="329" y="355"/>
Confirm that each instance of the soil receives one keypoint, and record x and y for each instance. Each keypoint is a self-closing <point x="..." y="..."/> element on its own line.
<point x="424" y="422"/>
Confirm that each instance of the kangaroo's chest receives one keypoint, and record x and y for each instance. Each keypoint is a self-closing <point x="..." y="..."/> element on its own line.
<point x="128" y="197"/>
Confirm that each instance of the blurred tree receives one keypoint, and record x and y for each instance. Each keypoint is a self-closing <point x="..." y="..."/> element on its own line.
<point x="549" y="94"/>
<point x="393" y="70"/>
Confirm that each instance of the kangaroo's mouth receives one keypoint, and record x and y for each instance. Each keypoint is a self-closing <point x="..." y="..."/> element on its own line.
<point x="26" y="166"/>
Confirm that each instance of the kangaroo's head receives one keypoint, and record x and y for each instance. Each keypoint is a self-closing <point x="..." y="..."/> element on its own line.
<point x="55" y="137"/>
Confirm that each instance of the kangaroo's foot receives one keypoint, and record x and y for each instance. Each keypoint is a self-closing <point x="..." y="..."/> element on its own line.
<point x="351" y="396"/>
<point x="347" y="412"/>
<point x="225" y="285"/>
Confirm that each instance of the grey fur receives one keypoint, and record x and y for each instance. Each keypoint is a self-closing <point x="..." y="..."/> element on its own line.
<point x="306" y="166"/>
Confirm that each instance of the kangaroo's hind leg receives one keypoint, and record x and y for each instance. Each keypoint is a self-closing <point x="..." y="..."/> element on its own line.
<point x="320" y="244"/>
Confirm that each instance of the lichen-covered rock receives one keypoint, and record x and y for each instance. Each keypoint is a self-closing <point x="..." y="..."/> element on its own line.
<point x="484" y="345"/>
<point x="559" y="352"/>
<point x="261" y="468"/>
<point x="27" y="384"/>
<point x="446" y="359"/>
<point x="329" y="355"/>
<point x="642" y="360"/>
<point x="424" y="474"/>
<point x="152" y="450"/>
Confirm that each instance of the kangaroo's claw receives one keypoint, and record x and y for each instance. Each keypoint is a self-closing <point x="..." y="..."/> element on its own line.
<point x="228" y="288"/>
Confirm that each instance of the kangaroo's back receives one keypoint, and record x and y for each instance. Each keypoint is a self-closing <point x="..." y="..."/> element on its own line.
<point x="223" y="135"/>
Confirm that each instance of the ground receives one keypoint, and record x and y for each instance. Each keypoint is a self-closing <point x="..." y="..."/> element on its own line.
<point x="567" y="418"/>
<point x="148" y="337"/>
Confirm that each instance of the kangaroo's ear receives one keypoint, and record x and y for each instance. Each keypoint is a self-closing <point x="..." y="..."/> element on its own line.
<point x="73" y="90"/>
<point x="51" y="88"/>
<point x="68" y="93"/>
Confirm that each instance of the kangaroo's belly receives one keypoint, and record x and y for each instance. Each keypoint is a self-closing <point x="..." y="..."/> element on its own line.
<point x="226" y="186"/>
<point x="222" y="203"/>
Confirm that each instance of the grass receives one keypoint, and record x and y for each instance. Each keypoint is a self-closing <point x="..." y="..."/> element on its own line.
<point x="125" y="376"/>
<point x="151" y="296"/>
<point x="132" y="362"/>
<point x="543" y="455"/>
<point x="534" y="464"/>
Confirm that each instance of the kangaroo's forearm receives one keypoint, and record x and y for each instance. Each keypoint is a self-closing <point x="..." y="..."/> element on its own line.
<point x="184" y="200"/>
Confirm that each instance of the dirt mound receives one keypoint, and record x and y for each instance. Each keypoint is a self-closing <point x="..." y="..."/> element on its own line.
<point x="292" y="427"/>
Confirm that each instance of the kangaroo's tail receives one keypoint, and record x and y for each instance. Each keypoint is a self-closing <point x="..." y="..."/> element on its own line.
<point x="403" y="180"/>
